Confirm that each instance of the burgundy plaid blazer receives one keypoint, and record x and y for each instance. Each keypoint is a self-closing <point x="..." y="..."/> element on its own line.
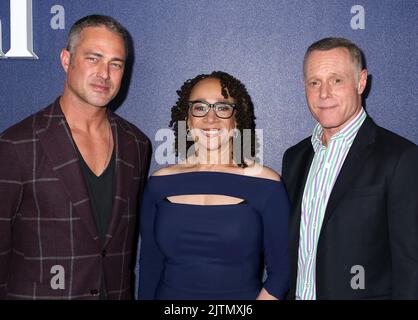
<point x="46" y="223"/>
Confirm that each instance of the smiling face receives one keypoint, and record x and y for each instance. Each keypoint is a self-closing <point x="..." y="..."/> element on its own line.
<point x="333" y="88"/>
<point x="95" y="68"/>
<point x="210" y="131"/>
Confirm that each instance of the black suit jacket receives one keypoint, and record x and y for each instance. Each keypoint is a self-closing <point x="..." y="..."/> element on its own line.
<point x="371" y="219"/>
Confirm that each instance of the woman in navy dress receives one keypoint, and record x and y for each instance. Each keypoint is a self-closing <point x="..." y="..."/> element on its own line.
<point x="211" y="224"/>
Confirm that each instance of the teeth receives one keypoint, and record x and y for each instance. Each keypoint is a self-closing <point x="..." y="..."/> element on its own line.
<point x="211" y="132"/>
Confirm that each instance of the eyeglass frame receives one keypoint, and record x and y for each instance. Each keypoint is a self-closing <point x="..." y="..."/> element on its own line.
<point x="212" y="105"/>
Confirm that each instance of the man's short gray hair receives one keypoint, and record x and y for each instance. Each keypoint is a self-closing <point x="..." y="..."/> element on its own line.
<point x="95" y="21"/>
<point x="332" y="43"/>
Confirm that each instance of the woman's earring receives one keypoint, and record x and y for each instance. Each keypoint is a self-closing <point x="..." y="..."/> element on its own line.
<point x="189" y="134"/>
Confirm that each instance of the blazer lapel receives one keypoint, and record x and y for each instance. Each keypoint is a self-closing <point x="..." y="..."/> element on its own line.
<point x="125" y="148"/>
<point x="57" y="144"/>
<point x="303" y="167"/>
<point x="355" y="160"/>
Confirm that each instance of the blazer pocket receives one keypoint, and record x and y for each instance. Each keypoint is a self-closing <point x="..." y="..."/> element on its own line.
<point x="368" y="191"/>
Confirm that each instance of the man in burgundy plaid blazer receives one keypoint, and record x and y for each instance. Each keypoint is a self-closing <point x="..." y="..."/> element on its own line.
<point x="50" y="244"/>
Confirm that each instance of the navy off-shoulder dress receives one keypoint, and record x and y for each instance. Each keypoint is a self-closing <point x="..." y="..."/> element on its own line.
<point x="213" y="252"/>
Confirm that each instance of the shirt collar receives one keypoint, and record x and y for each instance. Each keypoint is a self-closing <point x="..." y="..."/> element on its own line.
<point x="348" y="133"/>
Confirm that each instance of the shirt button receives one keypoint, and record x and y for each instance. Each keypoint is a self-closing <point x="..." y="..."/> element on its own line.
<point x="94" y="292"/>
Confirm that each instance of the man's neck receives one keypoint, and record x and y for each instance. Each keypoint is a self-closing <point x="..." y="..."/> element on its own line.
<point x="328" y="133"/>
<point x="82" y="116"/>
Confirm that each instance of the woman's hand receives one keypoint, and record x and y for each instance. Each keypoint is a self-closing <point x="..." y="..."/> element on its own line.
<point x="264" y="295"/>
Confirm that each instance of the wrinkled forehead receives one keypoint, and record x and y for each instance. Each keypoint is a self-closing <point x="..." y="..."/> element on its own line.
<point x="333" y="60"/>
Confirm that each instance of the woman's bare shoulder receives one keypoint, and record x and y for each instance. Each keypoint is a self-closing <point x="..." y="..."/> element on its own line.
<point x="174" y="169"/>
<point x="260" y="171"/>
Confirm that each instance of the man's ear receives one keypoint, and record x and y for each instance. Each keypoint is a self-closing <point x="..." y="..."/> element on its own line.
<point x="65" y="57"/>
<point x="362" y="81"/>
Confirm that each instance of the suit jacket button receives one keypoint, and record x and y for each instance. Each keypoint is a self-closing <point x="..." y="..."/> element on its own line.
<point x="94" y="292"/>
<point x="104" y="253"/>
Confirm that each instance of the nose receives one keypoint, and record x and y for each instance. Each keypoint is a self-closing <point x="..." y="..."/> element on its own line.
<point x="325" y="90"/>
<point x="103" y="71"/>
<point x="211" y="116"/>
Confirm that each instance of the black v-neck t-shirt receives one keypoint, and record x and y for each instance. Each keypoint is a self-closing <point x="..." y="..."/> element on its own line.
<point x="101" y="190"/>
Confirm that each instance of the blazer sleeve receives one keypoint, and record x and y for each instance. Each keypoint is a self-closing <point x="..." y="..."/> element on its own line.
<point x="403" y="225"/>
<point x="11" y="192"/>
<point x="151" y="260"/>
<point x="276" y="251"/>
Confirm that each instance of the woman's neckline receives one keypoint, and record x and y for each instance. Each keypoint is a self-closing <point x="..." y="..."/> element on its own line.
<point x="214" y="172"/>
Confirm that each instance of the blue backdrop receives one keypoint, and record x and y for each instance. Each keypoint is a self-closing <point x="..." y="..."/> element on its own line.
<point x="260" y="42"/>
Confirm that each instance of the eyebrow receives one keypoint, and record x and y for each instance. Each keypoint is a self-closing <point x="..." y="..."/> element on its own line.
<point x="337" y="74"/>
<point x="221" y="101"/>
<point x="333" y="74"/>
<point x="99" y="55"/>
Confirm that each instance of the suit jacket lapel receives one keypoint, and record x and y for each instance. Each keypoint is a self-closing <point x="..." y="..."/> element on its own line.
<point x="355" y="160"/>
<point x="125" y="147"/>
<point x="303" y="167"/>
<point x="56" y="141"/>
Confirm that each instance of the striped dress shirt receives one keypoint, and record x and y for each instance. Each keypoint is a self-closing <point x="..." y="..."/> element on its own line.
<point x="324" y="170"/>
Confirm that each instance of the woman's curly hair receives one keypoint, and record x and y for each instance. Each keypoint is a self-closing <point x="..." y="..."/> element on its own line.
<point x="244" y="112"/>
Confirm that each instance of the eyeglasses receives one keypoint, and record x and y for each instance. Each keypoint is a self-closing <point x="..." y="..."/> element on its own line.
<point x="201" y="108"/>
